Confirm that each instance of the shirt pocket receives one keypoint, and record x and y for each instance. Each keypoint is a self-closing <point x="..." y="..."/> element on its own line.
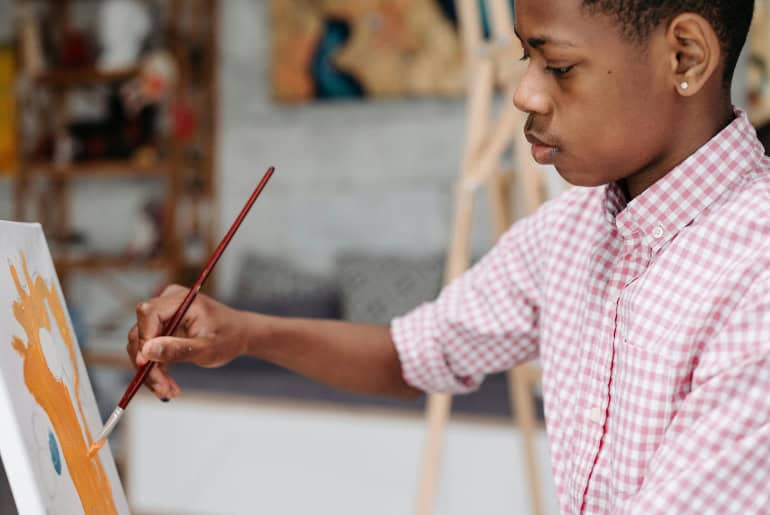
<point x="641" y="406"/>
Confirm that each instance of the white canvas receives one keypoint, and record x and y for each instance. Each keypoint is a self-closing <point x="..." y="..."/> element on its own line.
<point x="48" y="413"/>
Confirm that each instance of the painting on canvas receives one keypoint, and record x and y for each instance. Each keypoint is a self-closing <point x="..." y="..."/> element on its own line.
<point x="369" y="48"/>
<point x="47" y="407"/>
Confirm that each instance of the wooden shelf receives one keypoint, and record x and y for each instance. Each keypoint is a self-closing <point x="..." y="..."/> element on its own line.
<point x="96" y="262"/>
<point x="98" y="168"/>
<point x="183" y="186"/>
<point x="69" y="77"/>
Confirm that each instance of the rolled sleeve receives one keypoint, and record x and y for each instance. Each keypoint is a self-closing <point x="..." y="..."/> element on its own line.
<point x="485" y="321"/>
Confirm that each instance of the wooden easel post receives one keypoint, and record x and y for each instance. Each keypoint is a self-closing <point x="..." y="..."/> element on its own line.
<point x="486" y="143"/>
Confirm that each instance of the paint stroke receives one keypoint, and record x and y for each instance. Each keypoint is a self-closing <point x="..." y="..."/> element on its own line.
<point x="53" y="447"/>
<point x="31" y="311"/>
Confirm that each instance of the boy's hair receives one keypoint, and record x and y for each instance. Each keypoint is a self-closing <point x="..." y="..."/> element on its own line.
<point x="730" y="19"/>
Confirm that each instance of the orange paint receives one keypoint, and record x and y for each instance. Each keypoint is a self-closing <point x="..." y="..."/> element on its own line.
<point x="31" y="311"/>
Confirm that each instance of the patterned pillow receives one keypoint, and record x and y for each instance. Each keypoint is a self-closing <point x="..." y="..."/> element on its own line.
<point x="274" y="287"/>
<point x="376" y="288"/>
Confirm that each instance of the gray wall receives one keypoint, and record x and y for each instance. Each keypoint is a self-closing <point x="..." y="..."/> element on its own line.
<point x="358" y="175"/>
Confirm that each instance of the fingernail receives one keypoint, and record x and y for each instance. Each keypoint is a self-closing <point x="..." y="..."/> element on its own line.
<point x="155" y="349"/>
<point x="165" y="399"/>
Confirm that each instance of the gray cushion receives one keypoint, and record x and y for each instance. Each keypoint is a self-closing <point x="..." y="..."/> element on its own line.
<point x="377" y="288"/>
<point x="274" y="287"/>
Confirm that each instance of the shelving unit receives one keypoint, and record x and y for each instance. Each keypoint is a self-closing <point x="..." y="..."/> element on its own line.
<point x="181" y="168"/>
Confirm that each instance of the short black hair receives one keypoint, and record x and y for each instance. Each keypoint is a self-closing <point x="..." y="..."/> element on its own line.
<point x="731" y="20"/>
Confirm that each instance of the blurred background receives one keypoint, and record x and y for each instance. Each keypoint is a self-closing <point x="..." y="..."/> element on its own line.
<point x="133" y="130"/>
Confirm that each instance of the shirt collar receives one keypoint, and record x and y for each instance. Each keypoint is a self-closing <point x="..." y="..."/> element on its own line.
<point x="675" y="200"/>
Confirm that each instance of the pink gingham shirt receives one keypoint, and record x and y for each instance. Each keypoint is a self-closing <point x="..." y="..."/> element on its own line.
<point x="651" y="320"/>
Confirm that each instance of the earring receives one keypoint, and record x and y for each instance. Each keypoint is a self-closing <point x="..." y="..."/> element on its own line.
<point x="684" y="85"/>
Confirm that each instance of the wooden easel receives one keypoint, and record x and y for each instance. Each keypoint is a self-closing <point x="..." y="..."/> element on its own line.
<point x="489" y="63"/>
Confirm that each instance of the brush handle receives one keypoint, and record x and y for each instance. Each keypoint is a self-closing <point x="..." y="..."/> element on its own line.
<point x="171" y="326"/>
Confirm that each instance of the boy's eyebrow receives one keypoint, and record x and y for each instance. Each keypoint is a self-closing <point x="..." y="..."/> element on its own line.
<point x="538" y="41"/>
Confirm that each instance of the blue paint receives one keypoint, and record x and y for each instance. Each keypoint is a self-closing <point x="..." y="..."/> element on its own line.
<point x="330" y="81"/>
<point x="53" y="446"/>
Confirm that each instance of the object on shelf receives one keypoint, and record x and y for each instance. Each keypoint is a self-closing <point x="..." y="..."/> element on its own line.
<point x="156" y="81"/>
<point x="73" y="244"/>
<point x="124" y="26"/>
<point x="119" y="136"/>
<point x="184" y="121"/>
<point x="148" y="230"/>
<point x="63" y="150"/>
<point x="75" y="50"/>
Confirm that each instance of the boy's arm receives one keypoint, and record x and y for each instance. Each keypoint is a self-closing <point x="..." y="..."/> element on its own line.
<point x="355" y="357"/>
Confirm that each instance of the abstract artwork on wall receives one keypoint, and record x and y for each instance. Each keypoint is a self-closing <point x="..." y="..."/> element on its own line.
<point x="47" y="407"/>
<point x="366" y="48"/>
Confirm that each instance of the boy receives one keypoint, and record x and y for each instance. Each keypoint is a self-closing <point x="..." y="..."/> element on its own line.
<point x="646" y="293"/>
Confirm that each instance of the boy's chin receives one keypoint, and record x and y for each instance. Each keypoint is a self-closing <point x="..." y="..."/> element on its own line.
<point x="573" y="178"/>
<point x="581" y="178"/>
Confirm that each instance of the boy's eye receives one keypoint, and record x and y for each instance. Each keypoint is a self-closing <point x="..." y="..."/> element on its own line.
<point x="559" y="71"/>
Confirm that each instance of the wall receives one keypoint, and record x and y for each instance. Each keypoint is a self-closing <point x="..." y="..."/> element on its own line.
<point x="354" y="175"/>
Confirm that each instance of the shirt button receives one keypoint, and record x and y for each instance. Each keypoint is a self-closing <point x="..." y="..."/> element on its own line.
<point x="596" y="415"/>
<point x="658" y="232"/>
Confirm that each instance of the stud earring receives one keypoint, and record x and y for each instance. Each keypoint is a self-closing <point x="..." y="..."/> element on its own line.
<point x="684" y="85"/>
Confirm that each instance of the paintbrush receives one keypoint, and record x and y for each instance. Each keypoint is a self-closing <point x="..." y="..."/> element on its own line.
<point x="171" y="326"/>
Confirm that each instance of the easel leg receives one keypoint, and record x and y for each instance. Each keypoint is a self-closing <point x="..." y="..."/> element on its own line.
<point x="437" y="415"/>
<point x="524" y="411"/>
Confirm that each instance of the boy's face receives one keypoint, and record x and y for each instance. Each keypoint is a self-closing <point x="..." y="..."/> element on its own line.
<point x="603" y="106"/>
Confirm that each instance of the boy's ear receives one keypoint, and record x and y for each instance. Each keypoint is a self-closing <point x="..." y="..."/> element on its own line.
<point x="695" y="52"/>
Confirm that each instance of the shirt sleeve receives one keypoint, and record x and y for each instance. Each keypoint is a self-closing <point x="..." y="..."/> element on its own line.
<point x="485" y="321"/>
<point x="715" y="456"/>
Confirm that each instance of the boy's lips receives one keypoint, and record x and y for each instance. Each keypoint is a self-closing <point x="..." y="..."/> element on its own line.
<point x="544" y="153"/>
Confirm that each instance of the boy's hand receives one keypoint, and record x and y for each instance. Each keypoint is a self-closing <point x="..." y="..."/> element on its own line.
<point x="207" y="336"/>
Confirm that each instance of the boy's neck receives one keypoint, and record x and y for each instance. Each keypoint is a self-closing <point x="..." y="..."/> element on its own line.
<point x="697" y="125"/>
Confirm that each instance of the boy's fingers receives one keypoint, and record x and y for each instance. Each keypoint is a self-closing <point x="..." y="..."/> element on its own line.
<point x="161" y="383"/>
<point x="173" y="289"/>
<point x="148" y="320"/>
<point x="132" y="347"/>
<point x="169" y="349"/>
<point x="150" y="315"/>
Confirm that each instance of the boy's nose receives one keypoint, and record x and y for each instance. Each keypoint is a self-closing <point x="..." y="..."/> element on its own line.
<point x="530" y="97"/>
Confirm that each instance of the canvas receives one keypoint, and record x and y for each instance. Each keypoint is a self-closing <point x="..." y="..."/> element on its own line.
<point x="47" y="407"/>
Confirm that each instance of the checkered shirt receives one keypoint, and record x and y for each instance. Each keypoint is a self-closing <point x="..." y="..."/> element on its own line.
<point x="651" y="320"/>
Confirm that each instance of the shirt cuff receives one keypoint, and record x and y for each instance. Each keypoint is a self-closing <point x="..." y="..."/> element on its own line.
<point x="423" y="363"/>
